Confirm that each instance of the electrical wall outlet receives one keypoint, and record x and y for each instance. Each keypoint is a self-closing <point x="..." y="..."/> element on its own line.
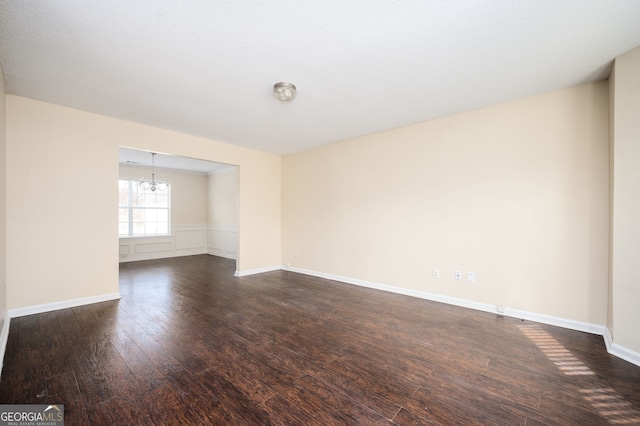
<point x="471" y="277"/>
<point x="435" y="274"/>
<point x="500" y="309"/>
<point x="458" y="275"/>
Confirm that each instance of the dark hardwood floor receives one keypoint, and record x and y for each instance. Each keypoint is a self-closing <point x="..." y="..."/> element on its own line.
<point x="189" y="343"/>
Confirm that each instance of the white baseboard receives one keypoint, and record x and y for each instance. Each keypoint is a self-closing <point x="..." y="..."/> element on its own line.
<point x="398" y="290"/>
<point x="164" y="255"/>
<point x="47" y="307"/>
<point x="54" y="306"/>
<point x="627" y="354"/>
<point x="601" y="330"/>
<point x="4" y="337"/>
<point x="608" y="339"/>
<point x="557" y="321"/>
<point x="257" y="271"/>
<point x="228" y="254"/>
<point x="620" y="351"/>
<point x="530" y="316"/>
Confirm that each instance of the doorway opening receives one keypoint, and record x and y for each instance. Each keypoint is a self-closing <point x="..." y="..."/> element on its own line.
<point x="201" y="214"/>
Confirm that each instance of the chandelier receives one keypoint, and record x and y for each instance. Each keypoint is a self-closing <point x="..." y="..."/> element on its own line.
<point x="153" y="185"/>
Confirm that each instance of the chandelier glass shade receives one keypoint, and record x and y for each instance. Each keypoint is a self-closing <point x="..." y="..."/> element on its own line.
<point x="154" y="185"/>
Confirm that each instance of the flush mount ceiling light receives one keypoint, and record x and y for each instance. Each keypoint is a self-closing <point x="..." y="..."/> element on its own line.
<point x="285" y="92"/>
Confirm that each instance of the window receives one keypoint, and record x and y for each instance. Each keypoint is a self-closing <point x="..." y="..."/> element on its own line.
<point x="143" y="213"/>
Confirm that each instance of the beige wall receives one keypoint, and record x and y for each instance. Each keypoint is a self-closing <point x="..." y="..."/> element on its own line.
<point x="223" y="198"/>
<point x="625" y="282"/>
<point x="517" y="193"/>
<point x="612" y="88"/>
<point x="61" y="168"/>
<point x="189" y="193"/>
<point x="223" y="213"/>
<point x="3" y="203"/>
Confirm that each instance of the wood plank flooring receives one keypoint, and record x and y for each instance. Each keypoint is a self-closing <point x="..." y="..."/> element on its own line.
<point x="189" y="343"/>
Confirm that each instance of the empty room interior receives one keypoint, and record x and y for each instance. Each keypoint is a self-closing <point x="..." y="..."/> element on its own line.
<point x="321" y="213"/>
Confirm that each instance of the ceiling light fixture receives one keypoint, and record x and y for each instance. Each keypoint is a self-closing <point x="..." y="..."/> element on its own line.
<point x="153" y="185"/>
<point x="285" y="92"/>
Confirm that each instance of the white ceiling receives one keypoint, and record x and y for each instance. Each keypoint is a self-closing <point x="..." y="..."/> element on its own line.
<point x="207" y="67"/>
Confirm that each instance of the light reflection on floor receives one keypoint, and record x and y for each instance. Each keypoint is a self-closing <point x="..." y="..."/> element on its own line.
<point x="611" y="405"/>
<point x="561" y="357"/>
<point x="606" y="400"/>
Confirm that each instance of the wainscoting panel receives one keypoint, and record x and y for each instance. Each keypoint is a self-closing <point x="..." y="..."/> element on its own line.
<point x="217" y="238"/>
<point x="223" y="241"/>
<point x="155" y="247"/>
<point x="190" y="239"/>
<point x="185" y="240"/>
